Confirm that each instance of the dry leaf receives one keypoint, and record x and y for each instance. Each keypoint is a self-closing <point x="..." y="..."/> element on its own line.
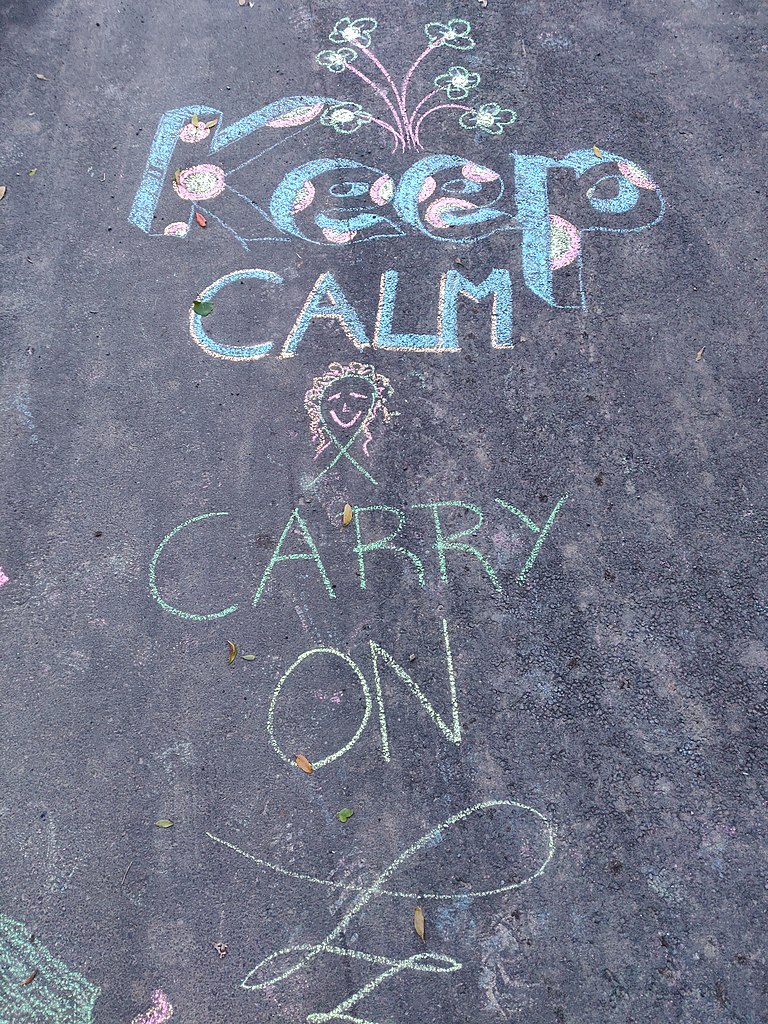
<point x="221" y="948"/>
<point x="195" y="120"/>
<point x="176" y="175"/>
<point x="249" y="657"/>
<point x="200" y="219"/>
<point x="242" y="3"/>
<point x="3" y="190"/>
<point x="304" y="764"/>
<point x="212" y="124"/>
<point x="699" y="354"/>
<point x="597" y="151"/>
<point x="42" y="78"/>
<point x="31" y="978"/>
<point x="418" y="923"/>
<point x="164" y="823"/>
<point x="346" y="517"/>
<point x="232" y="652"/>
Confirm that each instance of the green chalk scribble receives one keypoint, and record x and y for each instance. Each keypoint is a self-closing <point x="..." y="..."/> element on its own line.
<point x="56" y="995"/>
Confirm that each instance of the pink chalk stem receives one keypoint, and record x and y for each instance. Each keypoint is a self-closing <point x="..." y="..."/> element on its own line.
<point x="380" y="92"/>
<point x="433" y="110"/>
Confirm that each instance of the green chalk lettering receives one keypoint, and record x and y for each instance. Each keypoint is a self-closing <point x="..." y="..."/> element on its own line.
<point x="541" y="532"/>
<point x="383" y="543"/>
<point x="445" y="543"/>
<point x="312" y="555"/>
<point x="451" y="732"/>
<point x="153" y="572"/>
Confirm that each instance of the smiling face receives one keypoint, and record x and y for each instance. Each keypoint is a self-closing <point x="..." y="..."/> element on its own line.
<point x="347" y="403"/>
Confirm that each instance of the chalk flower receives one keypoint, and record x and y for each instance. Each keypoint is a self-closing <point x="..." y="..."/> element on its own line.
<point x="203" y="181"/>
<point x="336" y="60"/>
<point x="457" y="82"/>
<point x="454" y="33"/>
<point x="345" y="117"/>
<point x="355" y="31"/>
<point x="178" y="229"/>
<point x="489" y="117"/>
<point x="194" y="132"/>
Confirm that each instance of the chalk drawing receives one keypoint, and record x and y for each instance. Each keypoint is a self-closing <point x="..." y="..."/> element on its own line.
<point x="3" y="577"/>
<point x="313" y="555"/>
<point x="445" y="543"/>
<point x="451" y="732"/>
<point x="542" y="531"/>
<point x="260" y="976"/>
<point x="342" y="406"/>
<point x="55" y="995"/>
<point x="160" y="1011"/>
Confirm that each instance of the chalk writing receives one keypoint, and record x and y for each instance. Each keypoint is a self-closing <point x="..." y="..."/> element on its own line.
<point x="342" y="406"/>
<point x="56" y="995"/>
<point x="160" y="1011"/>
<point x="454" y="544"/>
<point x="262" y="975"/>
<point x="378" y="654"/>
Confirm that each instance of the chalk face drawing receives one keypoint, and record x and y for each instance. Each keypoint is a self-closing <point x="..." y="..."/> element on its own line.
<point x="287" y="962"/>
<point x="53" y="993"/>
<point x="342" y="406"/>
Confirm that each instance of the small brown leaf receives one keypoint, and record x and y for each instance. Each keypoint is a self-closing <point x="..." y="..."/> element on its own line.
<point x="304" y="764"/>
<point x="346" y="517"/>
<point x="232" y="652"/>
<point x="31" y="978"/>
<point x="3" y="190"/>
<point x="212" y="124"/>
<point x="201" y="219"/>
<point x="597" y="151"/>
<point x="40" y="77"/>
<point x="418" y="923"/>
<point x="176" y="175"/>
<point x="699" y="354"/>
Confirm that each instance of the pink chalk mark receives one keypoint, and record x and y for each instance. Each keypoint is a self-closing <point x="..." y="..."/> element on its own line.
<point x="160" y="1011"/>
<point x="448" y="204"/>
<point x="3" y="578"/>
<point x="565" y="242"/>
<point x="636" y="175"/>
<point x="474" y="172"/>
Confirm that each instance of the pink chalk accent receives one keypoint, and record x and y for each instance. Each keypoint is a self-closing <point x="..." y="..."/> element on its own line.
<point x="570" y="232"/>
<point x="427" y="188"/>
<point x="160" y="1011"/>
<point x="3" y="578"/>
<point x="474" y="172"/>
<point x="636" y="175"/>
<point x="447" y="204"/>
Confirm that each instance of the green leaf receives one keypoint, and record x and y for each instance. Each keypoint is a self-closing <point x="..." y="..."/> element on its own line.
<point x="32" y="172"/>
<point x="249" y="657"/>
<point x="164" y="823"/>
<point x="345" y="814"/>
<point x="202" y="308"/>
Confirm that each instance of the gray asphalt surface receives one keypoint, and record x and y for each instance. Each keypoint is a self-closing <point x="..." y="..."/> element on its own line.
<point x="609" y="695"/>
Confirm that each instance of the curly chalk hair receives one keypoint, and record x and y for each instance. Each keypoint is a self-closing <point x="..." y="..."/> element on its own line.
<point x="382" y="392"/>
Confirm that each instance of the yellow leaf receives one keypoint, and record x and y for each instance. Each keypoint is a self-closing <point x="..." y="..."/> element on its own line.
<point x="699" y="354"/>
<point x="164" y="823"/>
<point x="212" y="124"/>
<point x="232" y="652"/>
<point x="3" y="190"/>
<point x="195" y="120"/>
<point x="418" y="923"/>
<point x="304" y="764"/>
<point x="597" y="151"/>
<point x="346" y="517"/>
